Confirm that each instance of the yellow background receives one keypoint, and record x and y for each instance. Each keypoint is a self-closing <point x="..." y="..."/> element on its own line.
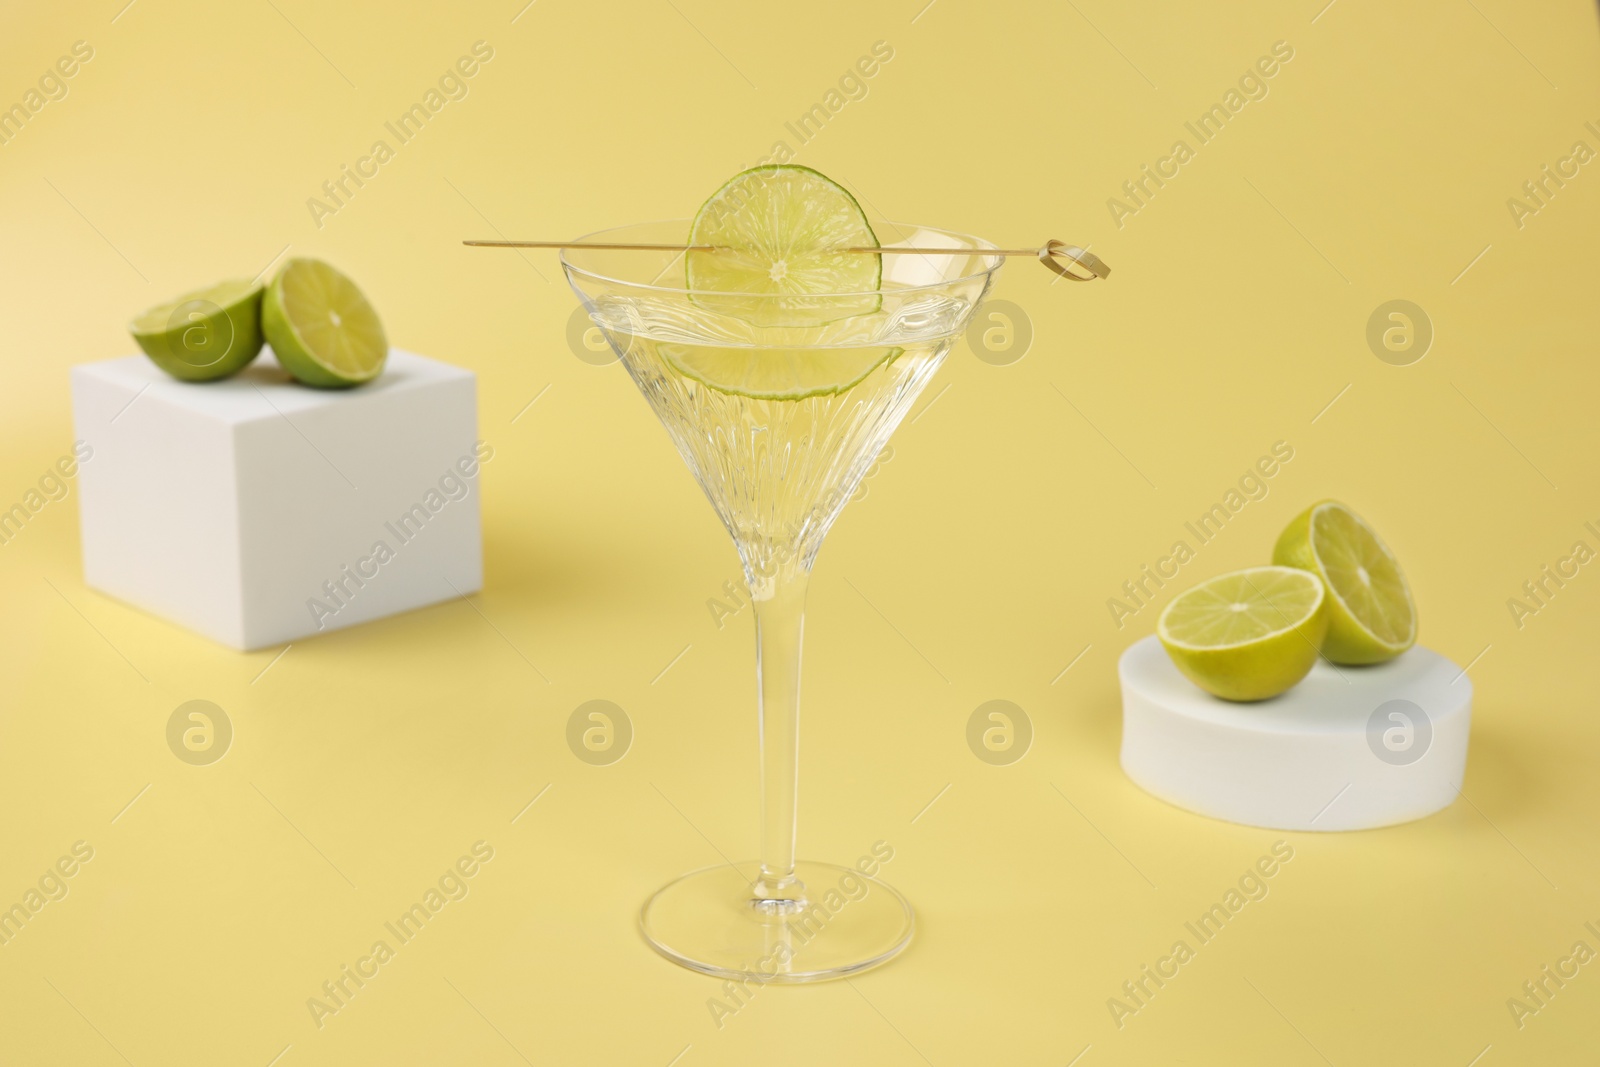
<point x="976" y="567"/>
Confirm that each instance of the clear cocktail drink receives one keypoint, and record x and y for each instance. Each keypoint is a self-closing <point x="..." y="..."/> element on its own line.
<point x="779" y="405"/>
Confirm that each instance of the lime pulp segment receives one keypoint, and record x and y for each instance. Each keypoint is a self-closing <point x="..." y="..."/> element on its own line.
<point x="1363" y="574"/>
<point x="1241" y="608"/>
<point x="224" y="295"/>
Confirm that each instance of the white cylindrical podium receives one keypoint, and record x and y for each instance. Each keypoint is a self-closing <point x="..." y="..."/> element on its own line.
<point x="1349" y="748"/>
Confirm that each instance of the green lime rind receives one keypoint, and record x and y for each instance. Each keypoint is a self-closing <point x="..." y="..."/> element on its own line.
<point x="204" y="335"/>
<point x="1372" y="617"/>
<point x="1249" y="635"/>
<point x="321" y="327"/>
<point x="779" y="227"/>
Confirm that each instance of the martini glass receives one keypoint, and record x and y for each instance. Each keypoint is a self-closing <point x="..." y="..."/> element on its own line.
<point x="779" y="405"/>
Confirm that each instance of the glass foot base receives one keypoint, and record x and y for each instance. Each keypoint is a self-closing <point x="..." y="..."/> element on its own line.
<point x="841" y="923"/>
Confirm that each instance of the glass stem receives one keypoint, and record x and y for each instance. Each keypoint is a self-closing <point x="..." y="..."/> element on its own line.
<point x="780" y="604"/>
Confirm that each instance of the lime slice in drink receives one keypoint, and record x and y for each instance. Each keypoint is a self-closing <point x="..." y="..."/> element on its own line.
<point x="775" y="373"/>
<point x="1248" y="635"/>
<point x="321" y="328"/>
<point x="1371" y="616"/>
<point x="777" y="231"/>
<point x="204" y="335"/>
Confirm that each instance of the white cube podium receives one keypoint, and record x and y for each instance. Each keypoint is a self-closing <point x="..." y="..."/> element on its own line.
<point x="256" y="510"/>
<point x="1349" y="748"/>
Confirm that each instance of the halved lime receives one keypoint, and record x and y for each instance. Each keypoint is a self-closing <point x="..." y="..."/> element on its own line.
<point x="1371" y="616"/>
<point x="778" y="230"/>
<point x="321" y="328"/>
<point x="1248" y="635"/>
<point x="776" y="373"/>
<point x="203" y="335"/>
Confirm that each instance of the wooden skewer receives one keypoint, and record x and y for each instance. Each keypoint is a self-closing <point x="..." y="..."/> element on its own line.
<point x="1046" y="254"/>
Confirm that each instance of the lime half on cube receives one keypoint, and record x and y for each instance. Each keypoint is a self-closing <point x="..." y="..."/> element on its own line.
<point x="323" y="331"/>
<point x="203" y="335"/>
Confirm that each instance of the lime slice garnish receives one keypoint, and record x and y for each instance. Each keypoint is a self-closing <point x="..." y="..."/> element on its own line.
<point x="203" y="335"/>
<point x="1248" y="635"/>
<point x="1371" y="616"/>
<point x="321" y="328"/>
<point x="778" y="230"/>
<point x="775" y="373"/>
